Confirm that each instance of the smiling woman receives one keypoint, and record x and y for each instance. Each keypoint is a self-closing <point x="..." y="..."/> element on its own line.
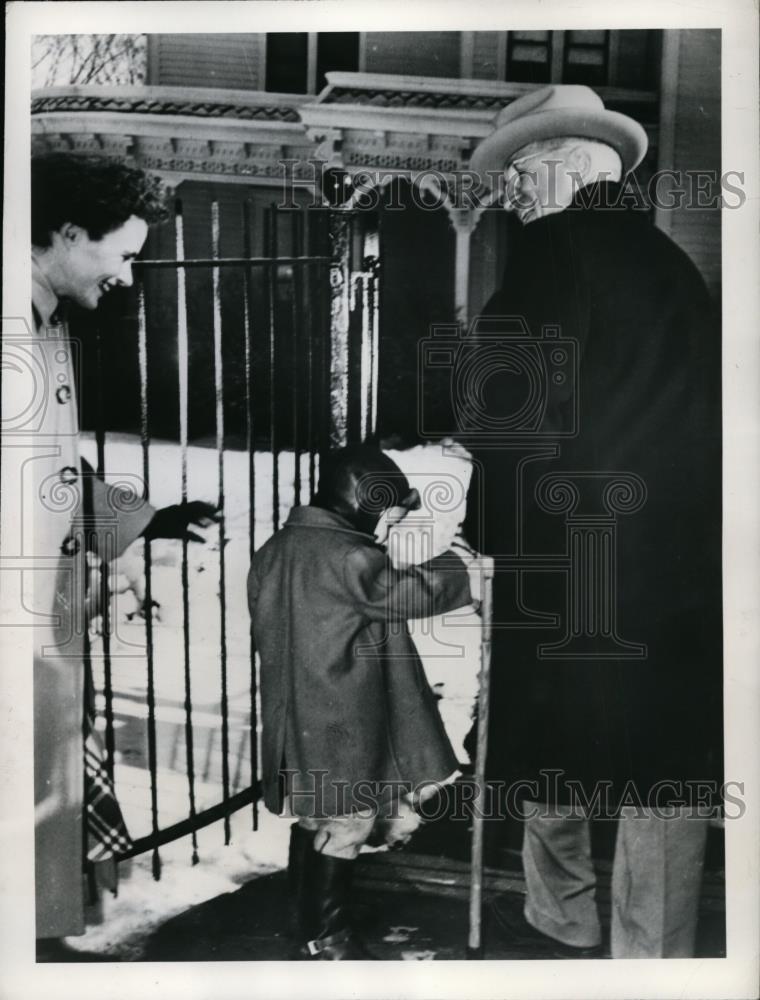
<point x="89" y="221"/>
<point x="83" y="269"/>
<point x="92" y="192"/>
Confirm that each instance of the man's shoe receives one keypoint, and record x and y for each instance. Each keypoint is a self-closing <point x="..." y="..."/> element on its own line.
<point x="508" y="916"/>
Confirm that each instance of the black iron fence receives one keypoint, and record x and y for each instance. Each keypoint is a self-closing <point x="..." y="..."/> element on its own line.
<point x="296" y="329"/>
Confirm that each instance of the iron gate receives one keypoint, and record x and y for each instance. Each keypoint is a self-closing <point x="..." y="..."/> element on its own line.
<point x="316" y="303"/>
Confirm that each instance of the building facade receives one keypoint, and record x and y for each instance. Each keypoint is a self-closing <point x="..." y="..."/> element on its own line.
<point x="219" y="115"/>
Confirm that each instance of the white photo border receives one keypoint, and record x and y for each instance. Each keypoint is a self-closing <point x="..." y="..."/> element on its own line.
<point x="733" y="977"/>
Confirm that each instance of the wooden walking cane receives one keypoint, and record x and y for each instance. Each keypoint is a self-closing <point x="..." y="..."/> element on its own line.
<point x="474" y="943"/>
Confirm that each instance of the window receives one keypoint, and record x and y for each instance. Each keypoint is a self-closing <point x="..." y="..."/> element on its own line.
<point x="287" y="57"/>
<point x="596" y="58"/>
<point x="297" y="62"/>
<point x="529" y="56"/>
<point x="586" y="57"/>
<point x="336" y="50"/>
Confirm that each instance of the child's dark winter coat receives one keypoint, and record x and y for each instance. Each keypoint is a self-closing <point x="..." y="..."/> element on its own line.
<point x="342" y="687"/>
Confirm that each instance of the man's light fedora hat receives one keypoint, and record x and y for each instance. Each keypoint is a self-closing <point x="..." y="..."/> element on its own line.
<point x="559" y="110"/>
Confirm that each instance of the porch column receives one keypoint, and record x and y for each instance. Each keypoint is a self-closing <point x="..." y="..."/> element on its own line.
<point x="666" y="142"/>
<point x="464" y="221"/>
<point x="339" y="326"/>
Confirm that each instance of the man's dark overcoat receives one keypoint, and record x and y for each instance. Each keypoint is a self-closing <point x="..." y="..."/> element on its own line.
<point x="648" y="403"/>
<point x="345" y="701"/>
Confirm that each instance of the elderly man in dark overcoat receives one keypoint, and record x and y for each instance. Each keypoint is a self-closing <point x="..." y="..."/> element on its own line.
<point x="609" y="702"/>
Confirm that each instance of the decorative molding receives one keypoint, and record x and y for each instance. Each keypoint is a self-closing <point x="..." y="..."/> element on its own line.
<point x="412" y="124"/>
<point x="402" y="118"/>
<point x="376" y="87"/>
<point x="438" y="101"/>
<point x="170" y="92"/>
<point x="401" y="163"/>
<point x="152" y="106"/>
<point x="182" y="132"/>
<point x="183" y="158"/>
<point x="360" y="122"/>
<point x="328" y="145"/>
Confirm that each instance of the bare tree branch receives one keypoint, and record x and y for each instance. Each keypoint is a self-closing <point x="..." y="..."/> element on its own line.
<point x="81" y="59"/>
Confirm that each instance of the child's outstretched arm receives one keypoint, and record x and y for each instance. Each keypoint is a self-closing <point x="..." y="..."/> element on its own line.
<point x="383" y="593"/>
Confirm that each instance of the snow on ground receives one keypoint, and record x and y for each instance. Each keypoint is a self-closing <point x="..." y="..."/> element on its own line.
<point x="448" y="645"/>
<point x="143" y="904"/>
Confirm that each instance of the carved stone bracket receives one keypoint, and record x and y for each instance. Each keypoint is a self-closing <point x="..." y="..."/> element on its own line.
<point x="328" y="145"/>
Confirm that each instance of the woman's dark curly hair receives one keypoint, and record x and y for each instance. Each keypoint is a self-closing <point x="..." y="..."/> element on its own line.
<point x="92" y="192"/>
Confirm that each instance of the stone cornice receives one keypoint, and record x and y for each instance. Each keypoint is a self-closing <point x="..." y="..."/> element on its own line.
<point x="360" y="122"/>
<point x="382" y="122"/>
<point x="181" y="132"/>
<point x="443" y="93"/>
<point x="192" y="102"/>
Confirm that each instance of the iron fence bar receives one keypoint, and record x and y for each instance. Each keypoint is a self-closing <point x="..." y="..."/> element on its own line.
<point x="219" y="402"/>
<point x="319" y="346"/>
<point x="183" y="366"/>
<point x="297" y="240"/>
<point x="272" y="288"/>
<point x="375" y="339"/>
<point x="309" y="332"/>
<point x="229" y="261"/>
<point x="193" y="823"/>
<point x="103" y="569"/>
<point x="142" y="355"/>
<point x="86" y="721"/>
<point x="100" y="433"/>
<point x="249" y="437"/>
<point x="351" y="317"/>
<point x="105" y="606"/>
<point x="371" y="265"/>
<point x="376" y="295"/>
<point x="361" y="283"/>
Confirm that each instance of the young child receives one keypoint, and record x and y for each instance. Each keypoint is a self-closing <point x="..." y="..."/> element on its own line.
<point x="350" y="725"/>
